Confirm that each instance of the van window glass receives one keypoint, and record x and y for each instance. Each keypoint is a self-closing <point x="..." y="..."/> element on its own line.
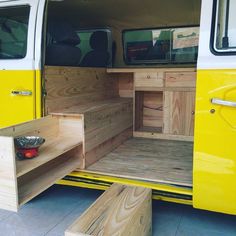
<point x="96" y="47"/>
<point x="167" y="46"/>
<point x="13" y="32"/>
<point x="225" y="27"/>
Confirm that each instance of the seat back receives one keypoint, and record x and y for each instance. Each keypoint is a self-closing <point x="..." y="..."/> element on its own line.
<point x="99" y="56"/>
<point x="63" y="51"/>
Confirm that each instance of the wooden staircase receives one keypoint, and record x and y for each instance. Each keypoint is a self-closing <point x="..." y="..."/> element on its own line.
<point x="121" y="210"/>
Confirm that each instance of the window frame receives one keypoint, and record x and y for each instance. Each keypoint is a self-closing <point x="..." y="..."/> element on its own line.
<point x="213" y="36"/>
<point x="155" y="63"/>
<point x="27" y="35"/>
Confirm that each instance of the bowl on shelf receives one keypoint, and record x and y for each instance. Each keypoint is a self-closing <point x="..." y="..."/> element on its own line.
<point x="28" y="146"/>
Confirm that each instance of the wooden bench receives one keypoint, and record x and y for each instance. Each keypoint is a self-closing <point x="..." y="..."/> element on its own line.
<point x="91" y="95"/>
<point x="121" y="210"/>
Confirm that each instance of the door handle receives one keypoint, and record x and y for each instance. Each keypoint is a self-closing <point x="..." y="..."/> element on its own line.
<point x="218" y="101"/>
<point x="21" y="93"/>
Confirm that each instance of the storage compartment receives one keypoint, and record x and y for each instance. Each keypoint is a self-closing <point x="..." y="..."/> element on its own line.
<point x="149" y="111"/>
<point x="22" y="180"/>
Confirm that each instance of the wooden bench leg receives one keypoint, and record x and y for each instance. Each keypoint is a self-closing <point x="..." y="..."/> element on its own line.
<point x="122" y="210"/>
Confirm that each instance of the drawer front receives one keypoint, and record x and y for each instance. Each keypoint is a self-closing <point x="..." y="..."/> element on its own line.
<point x="149" y="80"/>
<point x="180" y="80"/>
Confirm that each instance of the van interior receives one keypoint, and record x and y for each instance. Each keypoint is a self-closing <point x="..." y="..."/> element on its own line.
<point x="126" y="70"/>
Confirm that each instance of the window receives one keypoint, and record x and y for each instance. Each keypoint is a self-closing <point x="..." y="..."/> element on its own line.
<point x="13" y="32"/>
<point x="169" y="46"/>
<point x="225" y="26"/>
<point x="96" y="47"/>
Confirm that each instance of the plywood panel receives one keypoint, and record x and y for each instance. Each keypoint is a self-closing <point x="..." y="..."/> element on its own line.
<point x="126" y="84"/>
<point x="149" y="80"/>
<point x="121" y="210"/>
<point x="180" y="79"/>
<point x="153" y="109"/>
<point x="179" y="110"/>
<point x="108" y="146"/>
<point x="106" y="122"/>
<point x="8" y="185"/>
<point x="68" y="86"/>
<point x="161" y="161"/>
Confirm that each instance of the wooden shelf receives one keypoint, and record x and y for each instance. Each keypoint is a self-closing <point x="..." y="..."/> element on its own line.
<point x="50" y="150"/>
<point x="189" y="68"/>
<point x="59" y="156"/>
<point x="35" y="182"/>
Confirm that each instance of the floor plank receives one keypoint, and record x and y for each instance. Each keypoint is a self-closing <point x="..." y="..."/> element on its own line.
<point x="161" y="161"/>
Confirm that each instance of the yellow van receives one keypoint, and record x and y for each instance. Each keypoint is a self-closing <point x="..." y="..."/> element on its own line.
<point x="147" y="87"/>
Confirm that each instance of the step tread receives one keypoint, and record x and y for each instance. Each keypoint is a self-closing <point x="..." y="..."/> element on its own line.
<point x="121" y="210"/>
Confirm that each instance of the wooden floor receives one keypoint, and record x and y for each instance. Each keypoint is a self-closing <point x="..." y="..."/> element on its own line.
<point x="161" y="161"/>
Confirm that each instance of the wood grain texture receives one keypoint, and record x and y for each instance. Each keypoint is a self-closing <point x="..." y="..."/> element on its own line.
<point x="22" y="180"/>
<point x="180" y="79"/>
<point x="106" y="147"/>
<point x="69" y="86"/>
<point x="121" y="210"/>
<point x="8" y="185"/>
<point x="126" y="84"/>
<point x="149" y="80"/>
<point x="153" y="109"/>
<point x="179" y="108"/>
<point x="154" y="133"/>
<point x="107" y="122"/>
<point x="161" y="161"/>
<point x="35" y="182"/>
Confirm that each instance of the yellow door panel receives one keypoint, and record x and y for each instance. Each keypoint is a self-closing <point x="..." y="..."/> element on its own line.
<point x="16" y="108"/>
<point x="214" y="173"/>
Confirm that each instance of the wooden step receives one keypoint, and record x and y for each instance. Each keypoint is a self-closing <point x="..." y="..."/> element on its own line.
<point x="122" y="210"/>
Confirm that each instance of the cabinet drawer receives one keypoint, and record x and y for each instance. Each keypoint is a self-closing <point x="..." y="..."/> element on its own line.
<point x="150" y="80"/>
<point x="180" y="79"/>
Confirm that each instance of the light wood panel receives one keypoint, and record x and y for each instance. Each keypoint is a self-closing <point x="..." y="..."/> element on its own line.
<point x="161" y="161"/>
<point x="121" y="210"/>
<point x="106" y="147"/>
<point x="8" y="185"/>
<point x="180" y="79"/>
<point x="69" y="86"/>
<point x="153" y="109"/>
<point x="37" y="181"/>
<point x="22" y="180"/>
<point x="126" y="84"/>
<point x="179" y="110"/>
<point x="148" y="80"/>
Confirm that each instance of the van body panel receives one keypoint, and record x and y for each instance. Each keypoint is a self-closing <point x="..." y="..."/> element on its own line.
<point x="19" y="77"/>
<point x="214" y="163"/>
<point x="214" y="171"/>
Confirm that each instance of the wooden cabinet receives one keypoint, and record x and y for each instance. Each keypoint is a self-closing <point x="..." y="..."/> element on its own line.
<point x="164" y="104"/>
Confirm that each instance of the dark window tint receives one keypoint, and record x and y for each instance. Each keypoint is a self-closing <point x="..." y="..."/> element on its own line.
<point x="171" y="45"/>
<point x="13" y="32"/>
<point x="96" y="47"/>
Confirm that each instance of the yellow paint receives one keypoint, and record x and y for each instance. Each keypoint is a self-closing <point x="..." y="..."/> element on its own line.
<point x="214" y="171"/>
<point x="16" y="109"/>
<point x="93" y="178"/>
